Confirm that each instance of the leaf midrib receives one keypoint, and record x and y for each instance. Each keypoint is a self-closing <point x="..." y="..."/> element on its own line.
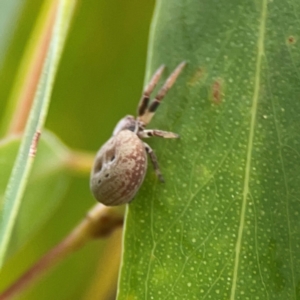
<point x="260" y="54"/>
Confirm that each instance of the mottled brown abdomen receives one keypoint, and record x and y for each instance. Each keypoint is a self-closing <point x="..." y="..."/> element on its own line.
<point x="119" y="169"/>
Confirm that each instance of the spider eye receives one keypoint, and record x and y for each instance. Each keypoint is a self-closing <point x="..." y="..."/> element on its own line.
<point x="112" y="158"/>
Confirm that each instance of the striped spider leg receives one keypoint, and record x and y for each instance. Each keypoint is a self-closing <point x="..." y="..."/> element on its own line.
<point x="121" y="163"/>
<point x="147" y="110"/>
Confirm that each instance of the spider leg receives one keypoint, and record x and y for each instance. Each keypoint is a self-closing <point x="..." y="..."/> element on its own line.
<point x="154" y="162"/>
<point x="143" y="104"/>
<point x="149" y="112"/>
<point x="160" y="133"/>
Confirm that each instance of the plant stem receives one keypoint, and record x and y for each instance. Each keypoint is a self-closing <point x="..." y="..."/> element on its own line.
<point x="99" y="222"/>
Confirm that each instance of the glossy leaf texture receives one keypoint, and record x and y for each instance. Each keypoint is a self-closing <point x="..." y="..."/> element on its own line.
<point x="226" y="223"/>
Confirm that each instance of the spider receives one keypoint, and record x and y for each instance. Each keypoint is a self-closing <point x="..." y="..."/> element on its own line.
<point x="121" y="163"/>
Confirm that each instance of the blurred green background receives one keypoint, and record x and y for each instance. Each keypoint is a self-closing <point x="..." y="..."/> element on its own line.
<point x="100" y="79"/>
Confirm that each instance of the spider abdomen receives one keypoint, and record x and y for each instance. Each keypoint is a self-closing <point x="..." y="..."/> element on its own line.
<point x="119" y="169"/>
<point x="120" y="164"/>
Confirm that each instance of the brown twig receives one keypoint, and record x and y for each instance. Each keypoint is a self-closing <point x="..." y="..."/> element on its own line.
<point x="99" y="222"/>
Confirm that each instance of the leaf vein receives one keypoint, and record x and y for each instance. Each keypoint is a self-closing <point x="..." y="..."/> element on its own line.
<point x="260" y="54"/>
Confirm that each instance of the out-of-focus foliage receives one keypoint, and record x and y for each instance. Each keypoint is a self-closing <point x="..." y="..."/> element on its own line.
<point x="100" y="79"/>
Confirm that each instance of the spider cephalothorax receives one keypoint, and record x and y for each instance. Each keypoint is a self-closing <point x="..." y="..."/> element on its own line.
<point x="121" y="163"/>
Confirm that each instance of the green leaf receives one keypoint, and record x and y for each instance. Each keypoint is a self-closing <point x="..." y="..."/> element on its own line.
<point x="9" y="13"/>
<point x="36" y="120"/>
<point x="225" y="225"/>
<point x="46" y="186"/>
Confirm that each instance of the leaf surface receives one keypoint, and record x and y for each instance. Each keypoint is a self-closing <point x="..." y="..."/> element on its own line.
<point x="225" y="225"/>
